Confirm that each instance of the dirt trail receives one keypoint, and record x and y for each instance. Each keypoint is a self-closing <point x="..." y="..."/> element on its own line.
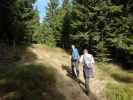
<point x="70" y="88"/>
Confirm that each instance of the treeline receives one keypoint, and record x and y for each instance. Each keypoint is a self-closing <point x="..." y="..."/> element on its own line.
<point x="18" y="21"/>
<point x="103" y="26"/>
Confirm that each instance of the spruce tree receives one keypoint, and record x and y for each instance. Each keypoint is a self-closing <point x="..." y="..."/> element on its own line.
<point x="17" y="19"/>
<point x="99" y="24"/>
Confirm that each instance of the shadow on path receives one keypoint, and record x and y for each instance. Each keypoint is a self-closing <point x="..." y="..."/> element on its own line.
<point x="29" y="82"/>
<point x="80" y="82"/>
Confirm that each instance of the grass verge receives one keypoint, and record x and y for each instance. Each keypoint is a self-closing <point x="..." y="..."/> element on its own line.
<point x="29" y="82"/>
<point x="117" y="91"/>
<point x="119" y="84"/>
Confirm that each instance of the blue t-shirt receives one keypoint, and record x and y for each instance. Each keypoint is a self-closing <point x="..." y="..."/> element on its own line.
<point x="75" y="54"/>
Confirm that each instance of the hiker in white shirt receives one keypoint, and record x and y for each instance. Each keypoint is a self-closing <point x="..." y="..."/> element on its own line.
<point x="88" y="61"/>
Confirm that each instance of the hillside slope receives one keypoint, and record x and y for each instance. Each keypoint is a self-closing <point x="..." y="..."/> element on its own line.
<point x="39" y="72"/>
<point x="60" y="60"/>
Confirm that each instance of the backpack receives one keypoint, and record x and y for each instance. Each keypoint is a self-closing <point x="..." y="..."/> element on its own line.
<point x="87" y="58"/>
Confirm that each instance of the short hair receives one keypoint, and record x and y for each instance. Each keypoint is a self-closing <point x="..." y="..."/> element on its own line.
<point x="85" y="50"/>
<point x="73" y="45"/>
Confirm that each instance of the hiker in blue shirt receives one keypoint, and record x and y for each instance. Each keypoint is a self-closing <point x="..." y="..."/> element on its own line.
<point x="74" y="61"/>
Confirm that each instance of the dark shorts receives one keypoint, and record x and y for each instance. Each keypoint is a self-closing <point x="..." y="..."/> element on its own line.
<point x="74" y="60"/>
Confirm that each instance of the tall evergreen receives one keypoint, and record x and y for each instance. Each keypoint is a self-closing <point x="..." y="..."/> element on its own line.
<point x="57" y="20"/>
<point x="52" y="12"/>
<point x="66" y="20"/>
<point x="103" y="25"/>
<point x="16" y="20"/>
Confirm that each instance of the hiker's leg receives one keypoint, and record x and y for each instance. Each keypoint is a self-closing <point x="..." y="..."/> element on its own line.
<point x="87" y="85"/>
<point x="77" y="68"/>
<point x="73" y="68"/>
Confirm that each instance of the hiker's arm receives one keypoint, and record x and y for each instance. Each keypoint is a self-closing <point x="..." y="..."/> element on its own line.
<point x="92" y="61"/>
<point x="93" y="65"/>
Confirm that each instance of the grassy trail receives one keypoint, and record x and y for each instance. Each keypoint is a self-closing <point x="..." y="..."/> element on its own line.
<point x="39" y="72"/>
<point x="60" y="60"/>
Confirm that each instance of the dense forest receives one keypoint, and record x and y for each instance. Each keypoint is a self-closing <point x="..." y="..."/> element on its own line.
<point x="18" y="21"/>
<point x="103" y="26"/>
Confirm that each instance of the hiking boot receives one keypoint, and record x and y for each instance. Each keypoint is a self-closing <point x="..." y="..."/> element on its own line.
<point x="87" y="93"/>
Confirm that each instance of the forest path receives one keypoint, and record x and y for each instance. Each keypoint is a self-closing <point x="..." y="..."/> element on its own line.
<point x="71" y="89"/>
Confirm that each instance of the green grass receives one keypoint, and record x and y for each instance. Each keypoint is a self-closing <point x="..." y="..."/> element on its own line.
<point x="117" y="91"/>
<point x="115" y="72"/>
<point x="122" y="76"/>
<point x="119" y="84"/>
<point x="29" y="82"/>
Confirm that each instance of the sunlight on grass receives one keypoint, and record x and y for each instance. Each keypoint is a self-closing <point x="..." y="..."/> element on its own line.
<point x="103" y="71"/>
<point x="122" y="76"/>
<point x="27" y="55"/>
<point x="119" y="84"/>
<point x="115" y="72"/>
<point x="116" y="91"/>
<point x="48" y="48"/>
